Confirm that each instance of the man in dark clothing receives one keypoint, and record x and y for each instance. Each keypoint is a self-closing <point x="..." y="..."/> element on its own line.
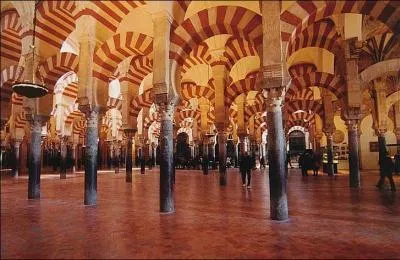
<point x="245" y="169"/>
<point x="303" y="164"/>
<point x="388" y="168"/>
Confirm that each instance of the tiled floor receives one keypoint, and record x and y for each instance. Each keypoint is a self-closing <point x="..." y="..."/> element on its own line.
<point x="327" y="219"/>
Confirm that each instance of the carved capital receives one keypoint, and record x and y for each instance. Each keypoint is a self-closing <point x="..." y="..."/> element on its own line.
<point x="274" y="98"/>
<point x="272" y="75"/>
<point x="352" y="125"/>
<point x="129" y="133"/>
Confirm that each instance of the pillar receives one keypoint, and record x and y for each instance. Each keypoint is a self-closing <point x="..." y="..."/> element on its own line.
<point x="276" y="153"/>
<point x="205" y="154"/>
<point x="354" y="168"/>
<point x="92" y="136"/>
<point x="116" y="156"/>
<point x="74" y="157"/>
<point x="128" y="165"/>
<point x="166" y="166"/>
<point x="63" y="159"/>
<point x="222" y="136"/>
<point x="34" y="154"/>
<point x="17" y="145"/>
<point x="329" y="152"/>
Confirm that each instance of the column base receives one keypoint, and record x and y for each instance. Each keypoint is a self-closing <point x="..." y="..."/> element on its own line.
<point x="90" y="197"/>
<point x="128" y="177"/>
<point x="63" y="176"/>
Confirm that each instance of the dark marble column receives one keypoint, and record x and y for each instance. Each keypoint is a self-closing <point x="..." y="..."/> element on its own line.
<point x="166" y="162"/>
<point x="354" y="168"/>
<point x="329" y="152"/>
<point x="205" y="155"/>
<point x="276" y="153"/>
<point x="128" y="165"/>
<point x="34" y="155"/>
<point x="92" y="136"/>
<point x="222" y="157"/>
<point x="74" y="158"/>
<point x="17" y="145"/>
<point x="63" y="159"/>
<point x="382" y="149"/>
<point x="116" y="157"/>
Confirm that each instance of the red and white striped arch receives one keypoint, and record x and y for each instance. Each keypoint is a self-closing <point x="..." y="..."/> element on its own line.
<point x="153" y="117"/>
<point x="321" y="34"/>
<point x="331" y="82"/>
<point x="79" y="127"/>
<point x="304" y="94"/>
<point x="199" y="55"/>
<point x="68" y="85"/>
<point x="8" y="76"/>
<point x="16" y="99"/>
<point x="304" y="116"/>
<point x="304" y="13"/>
<point x="141" y="101"/>
<point x="140" y="67"/>
<point x="56" y="66"/>
<point x="190" y="90"/>
<point x="299" y="69"/>
<point x="117" y="48"/>
<point x="181" y="114"/>
<point x="238" y="48"/>
<point x="10" y="50"/>
<point x="238" y="21"/>
<point x="301" y="123"/>
<point x="20" y="120"/>
<point x="253" y="109"/>
<point x="110" y="13"/>
<point x="55" y="22"/>
<point x="238" y="88"/>
<point x="305" y="105"/>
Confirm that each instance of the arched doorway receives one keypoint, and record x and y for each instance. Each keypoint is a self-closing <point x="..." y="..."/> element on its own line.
<point x="297" y="142"/>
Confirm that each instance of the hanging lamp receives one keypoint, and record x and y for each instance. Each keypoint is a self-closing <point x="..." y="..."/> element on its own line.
<point x="31" y="89"/>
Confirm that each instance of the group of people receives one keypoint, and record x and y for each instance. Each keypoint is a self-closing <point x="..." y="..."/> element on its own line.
<point x="309" y="160"/>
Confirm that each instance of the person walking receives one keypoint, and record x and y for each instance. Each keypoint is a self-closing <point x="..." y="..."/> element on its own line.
<point x="316" y="163"/>
<point x="245" y="169"/>
<point x="388" y="168"/>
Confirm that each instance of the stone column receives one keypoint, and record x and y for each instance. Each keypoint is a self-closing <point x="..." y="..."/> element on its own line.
<point x="222" y="156"/>
<point x="329" y="152"/>
<point x="167" y="164"/>
<point x="74" y="157"/>
<point x="92" y="137"/>
<point x="381" y="133"/>
<point x="63" y="159"/>
<point x="276" y="153"/>
<point x="34" y="154"/>
<point x="205" y="154"/>
<point x="116" y="156"/>
<point x="17" y="145"/>
<point x="128" y="165"/>
<point x="354" y="168"/>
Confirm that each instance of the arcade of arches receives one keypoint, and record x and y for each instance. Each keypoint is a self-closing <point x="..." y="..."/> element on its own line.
<point x="161" y="85"/>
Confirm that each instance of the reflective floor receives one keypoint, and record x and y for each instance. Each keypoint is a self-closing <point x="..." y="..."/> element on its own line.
<point x="327" y="219"/>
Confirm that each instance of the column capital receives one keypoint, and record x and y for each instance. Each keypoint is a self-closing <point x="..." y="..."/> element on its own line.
<point x="130" y="132"/>
<point x="397" y="132"/>
<point x="272" y="75"/>
<point x="274" y="98"/>
<point x="352" y="125"/>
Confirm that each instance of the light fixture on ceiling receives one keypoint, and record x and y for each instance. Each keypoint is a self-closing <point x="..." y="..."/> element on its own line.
<point x="31" y="89"/>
